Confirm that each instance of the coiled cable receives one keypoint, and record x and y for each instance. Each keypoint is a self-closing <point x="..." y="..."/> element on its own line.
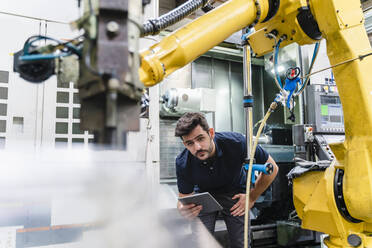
<point x="154" y="26"/>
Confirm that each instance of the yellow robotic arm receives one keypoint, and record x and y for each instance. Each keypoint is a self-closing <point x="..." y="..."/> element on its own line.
<point x="189" y="42"/>
<point x="337" y="201"/>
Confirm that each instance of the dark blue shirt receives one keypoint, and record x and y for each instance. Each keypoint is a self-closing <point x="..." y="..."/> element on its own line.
<point x="224" y="173"/>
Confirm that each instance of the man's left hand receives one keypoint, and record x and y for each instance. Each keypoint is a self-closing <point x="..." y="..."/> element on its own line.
<point x="239" y="208"/>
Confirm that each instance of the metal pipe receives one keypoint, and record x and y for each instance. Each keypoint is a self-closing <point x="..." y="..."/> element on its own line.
<point x="230" y="99"/>
<point x="248" y="92"/>
<point x="248" y="105"/>
<point x="301" y="98"/>
<point x="213" y="87"/>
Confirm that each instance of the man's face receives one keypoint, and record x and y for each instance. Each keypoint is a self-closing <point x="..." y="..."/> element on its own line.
<point x="200" y="142"/>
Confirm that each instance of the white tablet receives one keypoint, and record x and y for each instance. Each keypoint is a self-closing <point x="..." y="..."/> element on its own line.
<point x="205" y="199"/>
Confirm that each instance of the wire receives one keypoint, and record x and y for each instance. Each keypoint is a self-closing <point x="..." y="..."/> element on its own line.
<point x="257" y="123"/>
<point x="71" y="49"/>
<point x="138" y="25"/>
<point x="315" y="55"/>
<point x="270" y="35"/>
<point x="33" y="18"/>
<point x="150" y="38"/>
<point x="43" y="56"/>
<point x="154" y="26"/>
<point x="249" y="176"/>
<point x="361" y="57"/>
<point x="276" y="52"/>
<point x="276" y="76"/>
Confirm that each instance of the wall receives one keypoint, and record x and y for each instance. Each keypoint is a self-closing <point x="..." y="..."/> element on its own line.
<point x="171" y="146"/>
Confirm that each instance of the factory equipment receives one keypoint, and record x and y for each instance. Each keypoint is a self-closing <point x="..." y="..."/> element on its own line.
<point x="324" y="109"/>
<point x="304" y="22"/>
<point x="326" y="124"/>
<point x="312" y="143"/>
<point x="329" y="201"/>
<point x="107" y="52"/>
<point x="177" y="101"/>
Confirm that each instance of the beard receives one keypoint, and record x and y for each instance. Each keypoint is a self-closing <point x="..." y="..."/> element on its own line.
<point x="208" y="151"/>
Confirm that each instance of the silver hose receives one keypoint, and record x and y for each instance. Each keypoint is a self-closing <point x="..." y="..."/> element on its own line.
<point x="154" y="26"/>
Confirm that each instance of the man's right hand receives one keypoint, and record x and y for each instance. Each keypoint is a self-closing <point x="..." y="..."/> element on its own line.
<point x="189" y="211"/>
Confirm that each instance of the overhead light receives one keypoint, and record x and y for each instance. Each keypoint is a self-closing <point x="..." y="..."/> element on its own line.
<point x="280" y="69"/>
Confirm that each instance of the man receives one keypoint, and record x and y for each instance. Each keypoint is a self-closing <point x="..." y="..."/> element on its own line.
<point x="212" y="162"/>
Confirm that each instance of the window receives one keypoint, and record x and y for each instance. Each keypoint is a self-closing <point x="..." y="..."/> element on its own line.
<point x="68" y="130"/>
<point x="62" y="112"/>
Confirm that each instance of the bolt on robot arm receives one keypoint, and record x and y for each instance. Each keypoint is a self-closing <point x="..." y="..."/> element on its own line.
<point x="337" y="201"/>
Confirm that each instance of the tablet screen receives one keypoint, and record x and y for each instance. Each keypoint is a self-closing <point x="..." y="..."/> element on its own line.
<point x="205" y="199"/>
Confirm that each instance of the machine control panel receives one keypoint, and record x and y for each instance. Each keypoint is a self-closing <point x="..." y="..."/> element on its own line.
<point x="325" y="109"/>
<point x="323" y="141"/>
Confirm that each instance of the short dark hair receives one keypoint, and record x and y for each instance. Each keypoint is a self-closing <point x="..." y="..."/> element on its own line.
<point x="188" y="122"/>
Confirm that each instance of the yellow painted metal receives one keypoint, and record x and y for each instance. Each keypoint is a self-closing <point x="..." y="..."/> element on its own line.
<point x="285" y="22"/>
<point x="346" y="39"/>
<point x="191" y="41"/>
<point x="341" y="23"/>
<point x="313" y="197"/>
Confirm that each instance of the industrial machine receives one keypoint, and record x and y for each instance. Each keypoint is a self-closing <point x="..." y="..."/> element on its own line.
<point x="103" y="62"/>
<point x="325" y="115"/>
<point x="325" y="124"/>
<point x="177" y="101"/>
<point x="324" y="109"/>
<point x="337" y="200"/>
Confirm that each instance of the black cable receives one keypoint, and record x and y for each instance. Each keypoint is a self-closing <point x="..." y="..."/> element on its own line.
<point x="208" y="8"/>
<point x="65" y="45"/>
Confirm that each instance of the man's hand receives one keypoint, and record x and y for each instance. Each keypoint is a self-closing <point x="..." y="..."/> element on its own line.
<point x="239" y="208"/>
<point x="189" y="211"/>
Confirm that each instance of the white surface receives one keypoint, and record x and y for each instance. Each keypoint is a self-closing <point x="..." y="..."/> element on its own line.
<point x="153" y="133"/>
<point x="65" y="245"/>
<point x="65" y="10"/>
<point x="167" y="198"/>
<point x="8" y="236"/>
<point x="321" y="62"/>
